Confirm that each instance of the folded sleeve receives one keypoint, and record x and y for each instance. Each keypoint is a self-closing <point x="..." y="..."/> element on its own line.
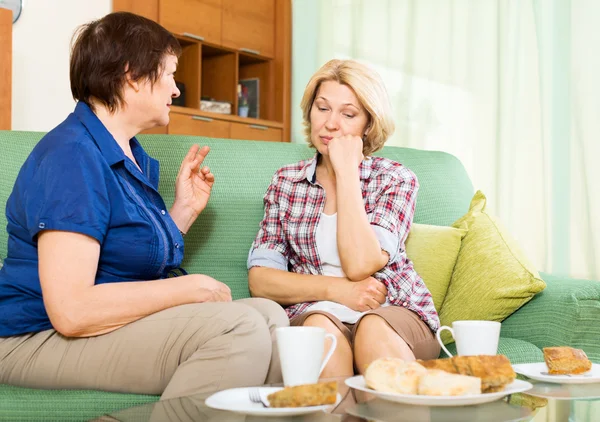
<point x="67" y="192"/>
<point x="270" y="247"/>
<point x="394" y="210"/>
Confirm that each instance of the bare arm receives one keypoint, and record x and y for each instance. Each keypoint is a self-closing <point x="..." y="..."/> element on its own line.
<point x="288" y="288"/>
<point x="78" y="308"/>
<point x="359" y="249"/>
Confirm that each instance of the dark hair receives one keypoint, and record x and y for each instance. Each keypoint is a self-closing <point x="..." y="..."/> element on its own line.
<point x="105" y="50"/>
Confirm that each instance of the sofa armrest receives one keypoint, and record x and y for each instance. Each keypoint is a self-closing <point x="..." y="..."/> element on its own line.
<point x="565" y="313"/>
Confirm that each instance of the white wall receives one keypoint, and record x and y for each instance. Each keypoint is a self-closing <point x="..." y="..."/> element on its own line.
<point x="41" y="38"/>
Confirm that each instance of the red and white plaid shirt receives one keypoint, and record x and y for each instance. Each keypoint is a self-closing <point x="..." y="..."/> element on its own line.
<point x="294" y="203"/>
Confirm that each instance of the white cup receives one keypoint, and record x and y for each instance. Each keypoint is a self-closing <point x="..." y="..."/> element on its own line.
<point x="473" y="337"/>
<point x="301" y="353"/>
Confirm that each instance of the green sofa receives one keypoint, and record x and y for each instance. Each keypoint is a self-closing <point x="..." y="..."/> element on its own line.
<point x="567" y="312"/>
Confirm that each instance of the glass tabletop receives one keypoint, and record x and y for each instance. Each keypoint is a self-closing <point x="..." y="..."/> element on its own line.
<point x="545" y="402"/>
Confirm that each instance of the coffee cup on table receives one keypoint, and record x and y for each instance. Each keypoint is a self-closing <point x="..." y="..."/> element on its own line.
<point x="473" y="337"/>
<point x="301" y="353"/>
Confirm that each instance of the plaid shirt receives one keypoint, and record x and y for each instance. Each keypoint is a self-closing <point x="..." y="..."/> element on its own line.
<point x="294" y="203"/>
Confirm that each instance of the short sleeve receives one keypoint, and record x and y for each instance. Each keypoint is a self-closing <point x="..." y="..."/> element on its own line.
<point x="270" y="248"/>
<point x="67" y="191"/>
<point x="394" y="210"/>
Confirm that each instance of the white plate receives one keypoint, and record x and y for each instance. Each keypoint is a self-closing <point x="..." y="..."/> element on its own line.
<point x="517" y="386"/>
<point x="534" y="371"/>
<point x="237" y="400"/>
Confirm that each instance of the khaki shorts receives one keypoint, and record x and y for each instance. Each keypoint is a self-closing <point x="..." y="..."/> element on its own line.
<point x="412" y="329"/>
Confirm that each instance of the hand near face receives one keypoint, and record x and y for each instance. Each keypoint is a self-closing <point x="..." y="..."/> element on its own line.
<point x="345" y="152"/>
<point x="194" y="183"/>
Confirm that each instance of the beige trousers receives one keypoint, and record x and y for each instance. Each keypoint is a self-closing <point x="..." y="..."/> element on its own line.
<point x="184" y="350"/>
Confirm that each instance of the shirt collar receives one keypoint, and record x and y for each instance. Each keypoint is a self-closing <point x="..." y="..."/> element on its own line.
<point x="309" y="171"/>
<point x="107" y="144"/>
<point x="112" y="152"/>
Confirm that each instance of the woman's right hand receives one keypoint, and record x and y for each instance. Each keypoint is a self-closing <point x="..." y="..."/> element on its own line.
<point x="207" y="289"/>
<point x="360" y="296"/>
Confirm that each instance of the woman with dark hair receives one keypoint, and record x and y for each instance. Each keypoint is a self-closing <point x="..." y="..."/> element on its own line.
<point x="87" y="297"/>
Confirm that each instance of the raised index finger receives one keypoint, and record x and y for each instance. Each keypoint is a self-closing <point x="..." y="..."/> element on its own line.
<point x="203" y="152"/>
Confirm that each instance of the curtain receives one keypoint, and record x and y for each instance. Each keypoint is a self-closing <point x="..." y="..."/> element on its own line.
<point x="510" y="87"/>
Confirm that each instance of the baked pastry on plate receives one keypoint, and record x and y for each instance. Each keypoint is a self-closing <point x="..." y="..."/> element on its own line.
<point x="566" y="360"/>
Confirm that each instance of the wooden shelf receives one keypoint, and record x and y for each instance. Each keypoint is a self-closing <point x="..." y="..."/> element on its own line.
<point x="223" y="42"/>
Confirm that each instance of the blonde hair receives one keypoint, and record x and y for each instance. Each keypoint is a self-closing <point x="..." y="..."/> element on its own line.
<point x="370" y="91"/>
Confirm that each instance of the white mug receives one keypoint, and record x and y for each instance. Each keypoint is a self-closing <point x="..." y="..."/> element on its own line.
<point x="301" y="353"/>
<point x="473" y="337"/>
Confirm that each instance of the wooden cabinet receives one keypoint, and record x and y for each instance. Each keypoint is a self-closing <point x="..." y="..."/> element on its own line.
<point x="196" y="19"/>
<point x="255" y="132"/>
<point x="223" y="42"/>
<point x="191" y="124"/>
<point x="5" y="68"/>
<point x="249" y="26"/>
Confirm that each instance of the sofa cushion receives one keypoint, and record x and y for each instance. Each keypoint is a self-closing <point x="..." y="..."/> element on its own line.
<point x="492" y="277"/>
<point x="26" y="404"/>
<point x="433" y="251"/>
<point x="517" y="351"/>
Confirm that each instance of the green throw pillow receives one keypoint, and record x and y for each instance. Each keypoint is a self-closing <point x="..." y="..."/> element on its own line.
<point x="433" y="251"/>
<point x="492" y="277"/>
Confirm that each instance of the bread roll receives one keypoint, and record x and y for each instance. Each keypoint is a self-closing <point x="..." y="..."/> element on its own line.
<point x="441" y="383"/>
<point x="394" y="375"/>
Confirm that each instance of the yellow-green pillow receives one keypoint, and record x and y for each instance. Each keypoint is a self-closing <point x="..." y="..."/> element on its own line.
<point x="492" y="277"/>
<point x="433" y="251"/>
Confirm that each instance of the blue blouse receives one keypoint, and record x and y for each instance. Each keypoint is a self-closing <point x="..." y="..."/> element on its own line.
<point x="78" y="179"/>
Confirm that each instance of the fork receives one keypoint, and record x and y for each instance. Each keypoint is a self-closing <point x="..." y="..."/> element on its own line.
<point x="255" y="397"/>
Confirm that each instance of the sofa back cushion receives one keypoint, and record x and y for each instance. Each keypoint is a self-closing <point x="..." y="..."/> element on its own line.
<point x="219" y="242"/>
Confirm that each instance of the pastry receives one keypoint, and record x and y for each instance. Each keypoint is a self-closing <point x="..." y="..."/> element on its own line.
<point x="495" y="371"/>
<point x="566" y="360"/>
<point x="394" y="375"/>
<point x="442" y="383"/>
<point x="305" y="395"/>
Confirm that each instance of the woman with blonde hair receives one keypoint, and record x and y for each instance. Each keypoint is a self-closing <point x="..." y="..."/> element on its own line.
<point x="330" y="247"/>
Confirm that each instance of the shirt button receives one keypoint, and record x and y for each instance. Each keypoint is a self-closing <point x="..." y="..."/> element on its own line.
<point x="42" y="225"/>
<point x="404" y="304"/>
<point x="177" y="245"/>
<point x="163" y="212"/>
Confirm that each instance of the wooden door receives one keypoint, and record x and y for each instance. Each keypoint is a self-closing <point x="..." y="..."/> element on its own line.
<point x="249" y="26"/>
<point x="196" y="19"/>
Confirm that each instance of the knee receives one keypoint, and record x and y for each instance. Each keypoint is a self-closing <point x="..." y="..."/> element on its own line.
<point x="244" y="320"/>
<point x="272" y="312"/>
<point x="321" y="321"/>
<point x="371" y="328"/>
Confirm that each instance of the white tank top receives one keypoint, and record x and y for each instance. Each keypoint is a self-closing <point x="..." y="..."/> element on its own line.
<point x="326" y="240"/>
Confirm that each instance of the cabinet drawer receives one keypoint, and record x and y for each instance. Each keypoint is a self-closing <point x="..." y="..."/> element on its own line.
<point x="255" y="132"/>
<point x="185" y="124"/>
<point x="199" y="18"/>
<point x="250" y="26"/>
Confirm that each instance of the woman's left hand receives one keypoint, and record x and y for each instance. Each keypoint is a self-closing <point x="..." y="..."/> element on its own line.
<point x="194" y="183"/>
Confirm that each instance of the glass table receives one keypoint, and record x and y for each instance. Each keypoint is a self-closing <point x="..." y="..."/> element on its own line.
<point x="544" y="403"/>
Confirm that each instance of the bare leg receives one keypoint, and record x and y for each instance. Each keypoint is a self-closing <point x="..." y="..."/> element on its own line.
<point x="340" y="363"/>
<point x="376" y="339"/>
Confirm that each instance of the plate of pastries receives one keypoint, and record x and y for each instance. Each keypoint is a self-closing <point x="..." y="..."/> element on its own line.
<point x="564" y="365"/>
<point x="455" y="381"/>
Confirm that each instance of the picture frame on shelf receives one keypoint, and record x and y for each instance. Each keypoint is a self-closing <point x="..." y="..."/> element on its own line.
<point x="251" y="92"/>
